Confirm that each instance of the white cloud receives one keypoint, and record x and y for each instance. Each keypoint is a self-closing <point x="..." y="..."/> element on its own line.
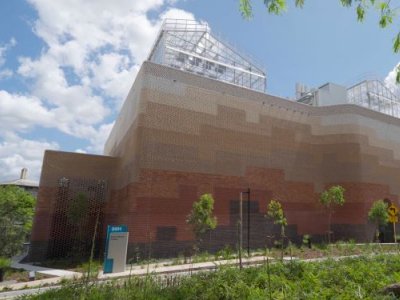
<point x="21" y="113"/>
<point x="92" y="52"/>
<point x="17" y="153"/>
<point x="390" y="81"/>
<point x="113" y="74"/>
<point x="99" y="138"/>
<point x="102" y="45"/>
<point x="4" y="48"/>
<point x="6" y="73"/>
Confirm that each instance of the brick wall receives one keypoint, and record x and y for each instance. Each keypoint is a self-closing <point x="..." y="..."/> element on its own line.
<point x="180" y="135"/>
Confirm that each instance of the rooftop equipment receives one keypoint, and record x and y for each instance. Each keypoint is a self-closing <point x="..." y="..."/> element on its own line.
<point x="190" y="46"/>
<point x="372" y="94"/>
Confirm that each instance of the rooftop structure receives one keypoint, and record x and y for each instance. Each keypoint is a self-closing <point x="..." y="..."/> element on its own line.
<point x="190" y="46"/>
<point x="23" y="182"/>
<point x="371" y="94"/>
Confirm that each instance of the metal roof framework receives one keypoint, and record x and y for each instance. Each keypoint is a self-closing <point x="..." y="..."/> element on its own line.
<point x="190" y="46"/>
<point x="373" y="94"/>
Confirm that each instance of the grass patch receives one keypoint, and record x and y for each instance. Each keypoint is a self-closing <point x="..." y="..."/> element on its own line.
<point x="20" y="275"/>
<point x="351" y="278"/>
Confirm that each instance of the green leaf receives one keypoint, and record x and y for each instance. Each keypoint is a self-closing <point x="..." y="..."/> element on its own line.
<point x="333" y="196"/>
<point x="300" y="3"/>
<point x="396" y="44"/>
<point x="360" y="13"/>
<point x="16" y="212"/>
<point x="379" y="213"/>
<point x="275" y="212"/>
<point x="246" y="9"/>
<point x="346" y="3"/>
<point x="383" y="6"/>
<point x="398" y="75"/>
<point x="383" y="21"/>
<point x="201" y="217"/>
<point x="275" y="6"/>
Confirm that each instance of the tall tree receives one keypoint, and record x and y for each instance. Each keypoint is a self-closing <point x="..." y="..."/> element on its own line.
<point x="334" y="196"/>
<point x="387" y="10"/>
<point x="201" y="218"/>
<point x="16" y="214"/>
<point x="378" y="214"/>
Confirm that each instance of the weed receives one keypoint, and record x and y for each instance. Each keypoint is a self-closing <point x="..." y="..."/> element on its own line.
<point x="201" y="257"/>
<point x="225" y="253"/>
<point x="351" y="278"/>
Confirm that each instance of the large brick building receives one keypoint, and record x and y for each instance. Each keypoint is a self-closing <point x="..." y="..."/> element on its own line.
<point x="181" y="134"/>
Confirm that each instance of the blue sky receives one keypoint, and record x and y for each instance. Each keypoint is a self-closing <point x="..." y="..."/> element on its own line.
<point x="66" y="66"/>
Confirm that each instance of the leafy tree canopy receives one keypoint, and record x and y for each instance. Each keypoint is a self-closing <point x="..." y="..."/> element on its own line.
<point x="275" y="212"/>
<point x="378" y="213"/>
<point x="384" y="7"/>
<point x="201" y="217"/>
<point x="333" y="196"/>
<point x="16" y="213"/>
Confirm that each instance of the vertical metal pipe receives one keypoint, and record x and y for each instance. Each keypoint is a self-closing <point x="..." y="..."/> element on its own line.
<point x="248" y="223"/>
<point x="240" y="229"/>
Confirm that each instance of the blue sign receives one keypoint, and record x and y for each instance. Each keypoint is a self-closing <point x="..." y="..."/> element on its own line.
<point x="119" y="228"/>
<point x="115" y="235"/>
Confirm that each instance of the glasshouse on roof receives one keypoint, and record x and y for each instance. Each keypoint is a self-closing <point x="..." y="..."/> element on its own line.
<point x="190" y="46"/>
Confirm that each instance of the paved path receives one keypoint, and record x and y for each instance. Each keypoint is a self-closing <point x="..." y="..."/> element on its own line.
<point x="15" y="263"/>
<point x="166" y="269"/>
<point x="23" y="287"/>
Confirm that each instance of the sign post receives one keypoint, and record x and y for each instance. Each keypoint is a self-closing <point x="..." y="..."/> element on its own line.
<point x="116" y="249"/>
<point x="393" y="218"/>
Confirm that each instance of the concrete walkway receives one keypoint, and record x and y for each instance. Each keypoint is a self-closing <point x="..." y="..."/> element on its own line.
<point x="189" y="267"/>
<point x="155" y="268"/>
<point x="58" y="274"/>
<point x="15" y="263"/>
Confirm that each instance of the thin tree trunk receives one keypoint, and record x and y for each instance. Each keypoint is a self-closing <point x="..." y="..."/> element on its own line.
<point x="329" y="226"/>
<point x="269" y="279"/>
<point x="93" y="245"/>
<point x="282" y="240"/>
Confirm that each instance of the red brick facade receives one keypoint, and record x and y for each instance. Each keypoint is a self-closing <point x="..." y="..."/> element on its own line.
<point x="180" y="136"/>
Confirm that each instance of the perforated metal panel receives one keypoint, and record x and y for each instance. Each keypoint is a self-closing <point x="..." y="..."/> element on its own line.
<point x="69" y="236"/>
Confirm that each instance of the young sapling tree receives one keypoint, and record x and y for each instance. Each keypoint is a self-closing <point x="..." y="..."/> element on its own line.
<point x="276" y="213"/>
<point x="334" y="196"/>
<point x="201" y="218"/>
<point x="378" y="214"/>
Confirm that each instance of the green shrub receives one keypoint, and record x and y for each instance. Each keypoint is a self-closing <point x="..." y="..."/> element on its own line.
<point x="225" y="253"/>
<point x="4" y="262"/>
<point x="351" y="278"/>
<point x="90" y="269"/>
